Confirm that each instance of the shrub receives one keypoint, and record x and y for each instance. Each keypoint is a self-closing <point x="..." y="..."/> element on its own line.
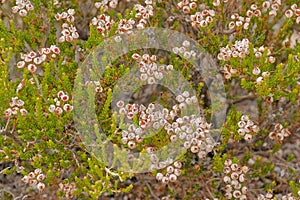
<point x="213" y="113"/>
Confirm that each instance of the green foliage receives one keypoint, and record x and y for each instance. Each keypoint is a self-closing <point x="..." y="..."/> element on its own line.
<point x="49" y="141"/>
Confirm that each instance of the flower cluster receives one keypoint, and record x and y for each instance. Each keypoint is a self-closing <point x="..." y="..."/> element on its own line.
<point x="35" y="178"/>
<point x="98" y="88"/>
<point x="244" y="21"/>
<point x="105" y="4"/>
<point x="143" y="13"/>
<point x="129" y="110"/>
<point x="33" y="59"/>
<point x="186" y="5"/>
<point x="269" y="196"/>
<point x="279" y="133"/>
<point x="229" y="71"/>
<point x="294" y="10"/>
<point x="56" y="3"/>
<point x="289" y="196"/>
<point x="126" y="26"/>
<point x="172" y="172"/>
<point x="149" y="69"/>
<point x="258" y="52"/>
<point x="246" y="127"/>
<point x="261" y="78"/>
<point x="185" y="99"/>
<point x="69" y="31"/>
<point x="271" y="6"/>
<point x="218" y="2"/>
<point x="185" y="50"/>
<point x="22" y="7"/>
<point x="239" y="49"/>
<point x="59" y="107"/>
<point x="149" y="117"/>
<point x="67" y="189"/>
<point x="203" y="18"/>
<point x="16" y="105"/>
<point x="103" y="23"/>
<point x="194" y="131"/>
<point x="132" y="136"/>
<point x="235" y="179"/>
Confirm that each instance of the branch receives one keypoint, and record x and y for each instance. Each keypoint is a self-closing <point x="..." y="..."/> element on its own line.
<point x="240" y="99"/>
<point x="10" y="133"/>
<point x="151" y="191"/>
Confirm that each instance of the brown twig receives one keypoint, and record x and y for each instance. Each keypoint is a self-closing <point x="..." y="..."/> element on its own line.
<point x="151" y="191"/>
<point x="11" y="133"/>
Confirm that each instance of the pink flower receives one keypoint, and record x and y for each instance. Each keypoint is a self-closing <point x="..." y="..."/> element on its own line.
<point x="58" y="16"/>
<point x="120" y="104"/>
<point x="65" y="97"/>
<point x="64" y="15"/>
<point x="288" y="13"/>
<point x="8" y="112"/>
<point x="32" y="68"/>
<point x="58" y="110"/>
<point x="70" y="18"/>
<point x="15" y="9"/>
<point x="60" y="93"/>
<point x="46" y="50"/>
<point x="40" y="186"/>
<point x="68" y="107"/>
<point x="29" y="7"/>
<point x="21" y="64"/>
<point x="71" y="11"/>
<point x="27" y="58"/>
<point x="51" y="108"/>
<point x="23" y="13"/>
<point x="37" y="61"/>
<point x="23" y="111"/>
<point x="54" y="49"/>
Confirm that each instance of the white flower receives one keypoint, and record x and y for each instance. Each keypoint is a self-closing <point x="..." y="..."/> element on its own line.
<point x="68" y="107"/>
<point x="288" y="13"/>
<point x="259" y="80"/>
<point x="231" y="25"/>
<point x="118" y="39"/>
<point x="273" y="13"/>
<point x="216" y="2"/>
<point x="40" y="177"/>
<point x="172" y="178"/>
<point x="23" y="111"/>
<point x="23" y="13"/>
<point x="21" y="64"/>
<point x="186" y="43"/>
<point x="15" y="9"/>
<point x="51" y="108"/>
<point x="256" y="71"/>
<point x="32" y="68"/>
<point x="40" y="186"/>
<point x="58" y="110"/>
<point x="159" y="176"/>
<point x="71" y="11"/>
<point x="29" y="7"/>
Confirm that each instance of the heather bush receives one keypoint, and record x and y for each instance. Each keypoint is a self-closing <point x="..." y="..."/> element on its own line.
<point x="150" y="99"/>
